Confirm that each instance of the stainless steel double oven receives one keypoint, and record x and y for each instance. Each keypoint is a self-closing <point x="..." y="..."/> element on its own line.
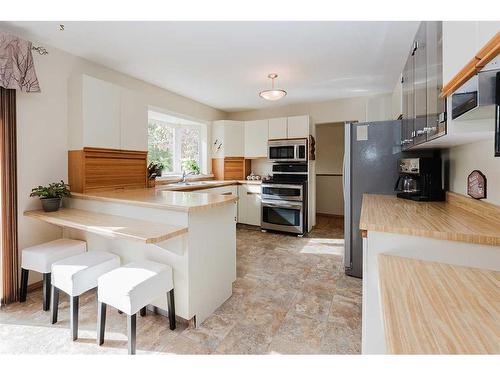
<point x="284" y="199"/>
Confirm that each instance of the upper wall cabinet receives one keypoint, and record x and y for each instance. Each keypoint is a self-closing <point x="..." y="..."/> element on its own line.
<point x="104" y="115"/>
<point x="289" y="127"/>
<point x="100" y="113"/>
<point x="298" y="127"/>
<point x="278" y="128"/>
<point x="256" y="136"/>
<point x="467" y="47"/>
<point x="228" y="139"/>
<point x="133" y="122"/>
<point x="423" y="109"/>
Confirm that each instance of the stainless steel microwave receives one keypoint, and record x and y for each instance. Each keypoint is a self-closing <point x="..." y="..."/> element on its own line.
<point x="287" y="150"/>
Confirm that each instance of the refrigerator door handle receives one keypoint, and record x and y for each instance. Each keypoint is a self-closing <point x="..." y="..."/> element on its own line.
<point x="346" y="176"/>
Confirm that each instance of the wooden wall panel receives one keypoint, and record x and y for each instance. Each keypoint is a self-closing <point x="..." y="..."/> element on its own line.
<point x="97" y="169"/>
<point x="230" y="168"/>
<point x="218" y="168"/>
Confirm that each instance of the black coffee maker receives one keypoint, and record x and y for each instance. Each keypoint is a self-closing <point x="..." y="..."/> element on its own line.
<point x="420" y="179"/>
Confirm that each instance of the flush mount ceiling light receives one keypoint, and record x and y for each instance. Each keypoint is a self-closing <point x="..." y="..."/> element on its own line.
<point x="273" y="94"/>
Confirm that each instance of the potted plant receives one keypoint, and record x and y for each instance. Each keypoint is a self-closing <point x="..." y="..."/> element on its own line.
<point x="191" y="166"/>
<point x="154" y="170"/>
<point x="51" y="195"/>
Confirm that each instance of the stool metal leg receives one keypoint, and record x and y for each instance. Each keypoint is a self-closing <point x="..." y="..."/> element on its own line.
<point x="74" y="317"/>
<point x="46" y="291"/>
<point x="101" y="322"/>
<point x="131" y="320"/>
<point x="24" y="285"/>
<point x="55" y="303"/>
<point x="143" y="311"/>
<point x="171" y="309"/>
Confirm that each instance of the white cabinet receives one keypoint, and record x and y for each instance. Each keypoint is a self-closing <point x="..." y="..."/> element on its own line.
<point x="278" y="128"/>
<point x="230" y="136"/>
<point x="242" y="204"/>
<point x="461" y="42"/>
<point x="298" y="127"/>
<point x="485" y="31"/>
<point x="100" y="113"/>
<point x="256" y="133"/>
<point x="459" y="46"/>
<point x="249" y="205"/>
<point x="133" y="122"/>
<point x="222" y="190"/>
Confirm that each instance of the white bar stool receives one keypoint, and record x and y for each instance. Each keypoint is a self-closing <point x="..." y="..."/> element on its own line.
<point x="75" y="276"/>
<point x="40" y="258"/>
<point x="131" y="288"/>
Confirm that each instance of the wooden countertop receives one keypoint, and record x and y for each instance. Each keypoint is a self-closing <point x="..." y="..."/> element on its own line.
<point x="458" y="219"/>
<point x="437" y="308"/>
<point x="110" y="225"/>
<point x="155" y="198"/>
<point x="202" y="185"/>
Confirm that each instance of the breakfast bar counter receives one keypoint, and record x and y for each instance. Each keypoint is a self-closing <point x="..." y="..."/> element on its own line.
<point x="160" y="198"/>
<point x="192" y="232"/>
<point x="109" y="225"/>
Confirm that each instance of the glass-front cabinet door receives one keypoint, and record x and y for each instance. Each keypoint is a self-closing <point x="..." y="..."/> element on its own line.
<point x="420" y="85"/>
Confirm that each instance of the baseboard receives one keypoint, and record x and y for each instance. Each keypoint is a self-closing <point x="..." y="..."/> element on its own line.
<point x="329" y="215"/>
<point x="35" y="286"/>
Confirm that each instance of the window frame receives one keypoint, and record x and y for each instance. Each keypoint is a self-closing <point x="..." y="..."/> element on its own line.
<point x="176" y="155"/>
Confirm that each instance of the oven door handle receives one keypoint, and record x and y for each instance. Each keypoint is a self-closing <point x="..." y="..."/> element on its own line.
<point x="299" y="206"/>
<point x="285" y="186"/>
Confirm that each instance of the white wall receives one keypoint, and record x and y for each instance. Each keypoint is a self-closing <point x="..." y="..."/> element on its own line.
<point x="42" y="131"/>
<point x="462" y="160"/>
<point x="329" y="160"/>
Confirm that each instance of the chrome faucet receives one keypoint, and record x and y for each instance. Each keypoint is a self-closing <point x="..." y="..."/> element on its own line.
<point x="184" y="175"/>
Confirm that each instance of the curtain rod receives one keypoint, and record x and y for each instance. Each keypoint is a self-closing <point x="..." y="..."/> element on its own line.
<point x="42" y="51"/>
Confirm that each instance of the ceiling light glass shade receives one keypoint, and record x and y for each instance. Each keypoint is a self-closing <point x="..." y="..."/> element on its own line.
<point x="272" y="94"/>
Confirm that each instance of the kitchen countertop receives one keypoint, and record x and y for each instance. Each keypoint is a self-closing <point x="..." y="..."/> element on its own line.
<point x="458" y="219"/>
<point x="110" y="225"/>
<point x="207" y="184"/>
<point x="160" y="198"/>
<point x="437" y="308"/>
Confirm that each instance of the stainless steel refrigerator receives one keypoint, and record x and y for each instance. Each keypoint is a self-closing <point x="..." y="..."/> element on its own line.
<point x="371" y="154"/>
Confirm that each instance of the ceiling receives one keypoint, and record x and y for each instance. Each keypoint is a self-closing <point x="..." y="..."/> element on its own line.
<point x="225" y="64"/>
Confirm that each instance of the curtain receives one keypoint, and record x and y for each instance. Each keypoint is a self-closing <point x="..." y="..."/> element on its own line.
<point x="8" y="197"/>
<point x="17" y="69"/>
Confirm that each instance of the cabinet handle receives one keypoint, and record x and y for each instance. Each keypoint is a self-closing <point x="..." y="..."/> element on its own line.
<point x="415" y="47"/>
<point x="228" y="193"/>
<point x="252" y="193"/>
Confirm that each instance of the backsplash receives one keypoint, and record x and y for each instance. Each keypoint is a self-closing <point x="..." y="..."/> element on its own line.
<point x="261" y="167"/>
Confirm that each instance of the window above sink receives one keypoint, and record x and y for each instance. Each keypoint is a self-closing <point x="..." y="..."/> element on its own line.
<point x="178" y="144"/>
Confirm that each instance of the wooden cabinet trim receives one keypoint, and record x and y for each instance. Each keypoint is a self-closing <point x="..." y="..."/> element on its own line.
<point x="487" y="53"/>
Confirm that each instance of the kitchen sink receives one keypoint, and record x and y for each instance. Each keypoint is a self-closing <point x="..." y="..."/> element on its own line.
<point x="180" y="185"/>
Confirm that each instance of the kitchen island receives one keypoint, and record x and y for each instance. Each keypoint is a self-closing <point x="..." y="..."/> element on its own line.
<point x="194" y="233"/>
<point x="459" y="232"/>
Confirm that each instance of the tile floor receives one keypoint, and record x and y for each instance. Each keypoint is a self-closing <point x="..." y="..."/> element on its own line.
<point x="291" y="297"/>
